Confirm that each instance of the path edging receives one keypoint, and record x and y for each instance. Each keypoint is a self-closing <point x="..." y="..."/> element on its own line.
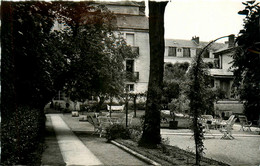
<point x="136" y="154"/>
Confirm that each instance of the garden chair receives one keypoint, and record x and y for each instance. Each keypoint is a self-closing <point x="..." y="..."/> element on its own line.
<point x="95" y="123"/>
<point x="224" y="123"/>
<point x="104" y="122"/>
<point x="244" y="123"/>
<point x="129" y="120"/>
<point x="227" y="129"/>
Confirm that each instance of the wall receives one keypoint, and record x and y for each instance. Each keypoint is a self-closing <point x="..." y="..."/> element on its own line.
<point x="226" y="60"/>
<point x="235" y="107"/>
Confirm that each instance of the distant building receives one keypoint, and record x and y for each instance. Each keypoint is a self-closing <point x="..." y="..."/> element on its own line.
<point x="220" y="55"/>
<point x="222" y="75"/>
<point x="177" y="50"/>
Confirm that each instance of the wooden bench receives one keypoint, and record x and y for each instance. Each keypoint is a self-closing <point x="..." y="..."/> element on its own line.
<point x="116" y="107"/>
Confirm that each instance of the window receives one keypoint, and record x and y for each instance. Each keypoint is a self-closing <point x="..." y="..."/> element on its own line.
<point x="130" y="65"/>
<point x="130" y="87"/>
<point x="130" y="39"/>
<point x="216" y="55"/>
<point x="186" y="52"/>
<point x="179" y="49"/>
<point x="172" y="51"/>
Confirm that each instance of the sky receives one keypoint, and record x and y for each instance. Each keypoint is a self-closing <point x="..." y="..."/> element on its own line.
<point x="207" y="19"/>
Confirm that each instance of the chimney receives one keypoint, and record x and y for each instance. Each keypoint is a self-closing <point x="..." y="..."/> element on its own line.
<point x="231" y="41"/>
<point x="196" y="39"/>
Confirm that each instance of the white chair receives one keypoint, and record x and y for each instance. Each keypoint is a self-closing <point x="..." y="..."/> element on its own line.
<point x="226" y="130"/>
<point x="244" y="123"/>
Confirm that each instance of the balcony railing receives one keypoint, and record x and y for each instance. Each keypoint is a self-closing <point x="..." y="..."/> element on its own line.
<point x="132" y="76"/>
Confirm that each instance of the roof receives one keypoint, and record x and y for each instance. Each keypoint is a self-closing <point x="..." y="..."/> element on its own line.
<point x="225" y="50"/>
<point x="121" y="3"/>
<point x="192" y="44"/>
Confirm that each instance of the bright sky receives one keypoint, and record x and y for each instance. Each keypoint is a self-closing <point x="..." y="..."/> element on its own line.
<point x="207" y="19"/>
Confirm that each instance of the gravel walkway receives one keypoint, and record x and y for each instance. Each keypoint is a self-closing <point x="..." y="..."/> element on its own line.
<point x="243" y="150"/>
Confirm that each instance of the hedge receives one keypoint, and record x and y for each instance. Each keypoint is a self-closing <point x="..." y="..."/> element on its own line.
<point x="22" y="137"/>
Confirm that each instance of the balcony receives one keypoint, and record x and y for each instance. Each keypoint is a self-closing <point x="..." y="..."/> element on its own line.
<point x="135" y="50"/>
<point x="132" y="76"/>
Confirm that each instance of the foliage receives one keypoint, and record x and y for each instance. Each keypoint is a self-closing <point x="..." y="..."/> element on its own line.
<point x="198" y="89"/>
<point x="136" y="132"/>
<point x="163" y="146"/>
<point x="200" y="96"/>
<point x="175" y="86"/>
<point x="247" y="61"/>
<point x="176" y="71"/>
<point x="85" y="57"/>
<point x="28" y="80"/>
<point x="29" y="34"/>
<point x="21" y="136"/>
<point x="220" y="94"/>
<point x="96" y="52"/>
<point x="117" y="131"/>
<point x="179" y="105"/>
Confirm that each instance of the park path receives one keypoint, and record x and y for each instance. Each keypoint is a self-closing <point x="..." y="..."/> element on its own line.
<point x="74" y="152"/>
<point x="78" y="146"/>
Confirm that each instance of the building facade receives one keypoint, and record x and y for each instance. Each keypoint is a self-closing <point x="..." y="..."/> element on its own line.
<point x="134" y="27"/>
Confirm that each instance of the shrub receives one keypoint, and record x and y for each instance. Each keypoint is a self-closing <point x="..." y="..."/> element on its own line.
<point x="139" y="106"/>
<point x="22" y="135"/>
<point x="117" y="131"/>
<point x="136" y="132"/>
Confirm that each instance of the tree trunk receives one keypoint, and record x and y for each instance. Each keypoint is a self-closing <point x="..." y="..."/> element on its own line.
<point x="100" y="103"/>
<point x="151" y="131"/>
<point x="135" y="97"/>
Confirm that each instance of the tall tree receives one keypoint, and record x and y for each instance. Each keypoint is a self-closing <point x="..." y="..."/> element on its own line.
<point x="37" y="61"/>
<point x="247" y="61"/>
<point x="26" y="79"/>
<point x="97" y="55"/>
<point x="151" y="131"/>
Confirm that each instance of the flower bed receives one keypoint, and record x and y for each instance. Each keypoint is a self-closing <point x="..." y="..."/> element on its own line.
<point x="168" y="155"/>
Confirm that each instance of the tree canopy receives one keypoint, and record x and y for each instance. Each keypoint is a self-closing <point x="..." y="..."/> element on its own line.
<point x="97" y="56"/>
<point x="83" y="54"/>
<point x="247" y="61"/>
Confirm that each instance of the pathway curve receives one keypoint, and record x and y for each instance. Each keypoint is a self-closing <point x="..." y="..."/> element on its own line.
<point x="74" y="152"/>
